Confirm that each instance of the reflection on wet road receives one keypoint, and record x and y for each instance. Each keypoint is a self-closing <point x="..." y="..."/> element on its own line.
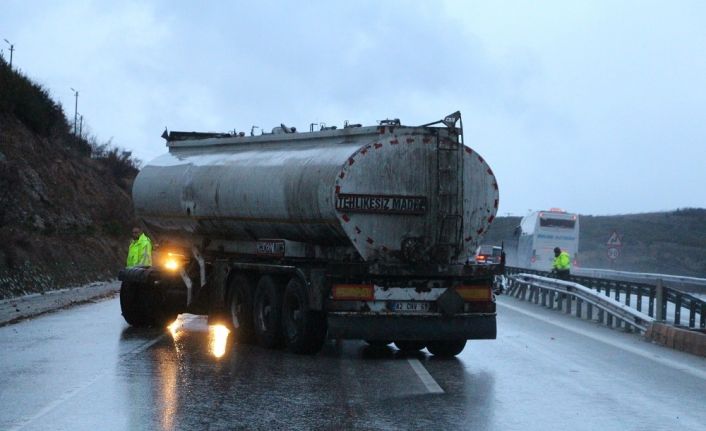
<point x="84" y="368"/>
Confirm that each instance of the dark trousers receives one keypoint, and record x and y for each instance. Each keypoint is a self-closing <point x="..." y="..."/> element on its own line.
<point x="562" y="274"/>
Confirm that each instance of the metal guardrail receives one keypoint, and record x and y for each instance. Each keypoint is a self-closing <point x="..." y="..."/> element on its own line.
<point x="552" y="293"/>
<point x="685" y="284"/>
<point x="658" y="296"/>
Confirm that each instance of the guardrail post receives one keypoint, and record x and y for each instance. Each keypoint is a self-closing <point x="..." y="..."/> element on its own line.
<point x="703" y="315"/>
<point x="568" y="297"/>
<point x="579" y="308"/>
<point x="589" y="311"/>
<point x="677" y="308"/>
<point x="661" y="305"/>
<point x="692" y="314"/>
<point x="651" y="306"/>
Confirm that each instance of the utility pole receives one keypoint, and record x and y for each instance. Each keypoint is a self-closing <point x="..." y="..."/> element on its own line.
<point x="12" y="49"/>
<point x="80" y="127"/>
<point x="75" y="110"/>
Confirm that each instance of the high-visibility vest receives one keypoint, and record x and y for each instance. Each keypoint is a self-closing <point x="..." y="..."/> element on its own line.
<point x="563" y="261"/>
<point x="140" y="252"/>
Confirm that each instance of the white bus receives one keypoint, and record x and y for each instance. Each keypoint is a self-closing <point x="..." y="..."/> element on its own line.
<point x="541" y="231"/>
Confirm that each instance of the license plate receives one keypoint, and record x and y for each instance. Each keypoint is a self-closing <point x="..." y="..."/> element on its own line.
<point x="409" y="306"/>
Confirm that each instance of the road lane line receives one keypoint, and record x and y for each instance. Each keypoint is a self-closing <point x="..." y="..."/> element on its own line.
<point x="694" y="371"/>
<point x="72" y="393"/>
<point x="425" y="377"/>
<point x="144" y="347"/>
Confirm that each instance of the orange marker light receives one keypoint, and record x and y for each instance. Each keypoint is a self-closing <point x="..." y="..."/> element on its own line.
<point x="353" y="292"/>
<point x="473" y="293"/>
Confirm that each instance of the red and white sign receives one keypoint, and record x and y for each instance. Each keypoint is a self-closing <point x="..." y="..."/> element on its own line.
<point x="615" y="240"/>
<point x="613" y="253"/>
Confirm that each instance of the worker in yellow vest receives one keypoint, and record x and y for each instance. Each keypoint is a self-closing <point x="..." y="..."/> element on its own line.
<point x="562" y="264"/>
<point x="140" y="251"/>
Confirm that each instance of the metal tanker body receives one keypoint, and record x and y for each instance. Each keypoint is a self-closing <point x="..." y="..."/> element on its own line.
<point x="359" y="232"/>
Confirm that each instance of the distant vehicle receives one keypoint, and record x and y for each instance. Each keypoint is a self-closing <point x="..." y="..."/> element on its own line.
<point x="541" y="231"/>
<point x="488" y="254"/>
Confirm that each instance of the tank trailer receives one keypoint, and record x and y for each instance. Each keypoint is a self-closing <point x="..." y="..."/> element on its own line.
<point x="290" y="238"/>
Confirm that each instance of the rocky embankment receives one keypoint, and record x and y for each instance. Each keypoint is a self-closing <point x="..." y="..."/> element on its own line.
<point x="65" y="207"/>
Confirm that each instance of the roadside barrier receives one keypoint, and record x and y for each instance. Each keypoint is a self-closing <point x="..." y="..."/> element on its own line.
<point x="659" y="297"/>
<point x="573" y="297"/>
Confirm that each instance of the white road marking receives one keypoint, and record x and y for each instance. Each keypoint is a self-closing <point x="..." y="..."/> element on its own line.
<point x="694" y="371"/>
<point x="72" y="393"/>
<point x="425" y="377"/>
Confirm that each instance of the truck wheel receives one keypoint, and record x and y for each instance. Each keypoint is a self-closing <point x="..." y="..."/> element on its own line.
<point x="304" y="329"/>
<point x="131" y="305"/>
<point x="161" y="313"/>
<point x="410" y="346"/>
<point x="240" y="308"/>
<point x="267" y="313"/>
<point x="446" y="348"/>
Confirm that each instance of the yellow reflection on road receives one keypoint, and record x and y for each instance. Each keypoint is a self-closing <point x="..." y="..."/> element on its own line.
<point x="217" y="340"/>
<point x="168" y="394"/>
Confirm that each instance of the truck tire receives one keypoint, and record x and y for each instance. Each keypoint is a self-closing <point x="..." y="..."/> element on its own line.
<point x="304" y="329"/>
<point x="446" y="348"/>
<point x="161" y="313"/>
<point x="132" y="306"/>
<point x="410" y="346"/>
<point x="240" y="308"/>
<point x="267" y="312"/>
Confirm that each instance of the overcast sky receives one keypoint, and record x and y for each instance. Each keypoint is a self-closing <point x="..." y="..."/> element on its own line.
<point x="595" y="107"/>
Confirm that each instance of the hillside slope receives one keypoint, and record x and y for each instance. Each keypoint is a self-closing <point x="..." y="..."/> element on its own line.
<point x="671" y="242"/>
<point x="64" y="215"/>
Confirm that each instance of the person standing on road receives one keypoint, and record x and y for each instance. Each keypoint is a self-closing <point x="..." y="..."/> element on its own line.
<point x="562" y="264"/>
<point x="140" y="251"/>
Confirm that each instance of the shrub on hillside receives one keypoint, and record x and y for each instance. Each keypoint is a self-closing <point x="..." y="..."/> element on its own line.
<point x="30" y="102"/>
<point x="119" y="162"/>
<point x="694" y="212"/>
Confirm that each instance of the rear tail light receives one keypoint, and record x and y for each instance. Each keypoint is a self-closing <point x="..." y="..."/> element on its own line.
<point x="353" y="292"/>
<point x="480" y="258"/>
<point x="475" y="293"/>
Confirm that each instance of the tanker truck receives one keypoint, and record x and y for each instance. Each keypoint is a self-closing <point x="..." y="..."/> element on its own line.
<point x="290" y="238"/>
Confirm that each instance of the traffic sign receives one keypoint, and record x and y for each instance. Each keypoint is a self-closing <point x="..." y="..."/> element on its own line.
<point x="613" y="253"/>
<point x="615" y="240"/>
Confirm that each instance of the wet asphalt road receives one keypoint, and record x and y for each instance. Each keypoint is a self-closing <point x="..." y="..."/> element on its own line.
<point x="85" y="369"/>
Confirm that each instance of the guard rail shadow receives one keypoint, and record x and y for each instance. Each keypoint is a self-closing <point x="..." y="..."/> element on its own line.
<point x="658" y="296"/>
